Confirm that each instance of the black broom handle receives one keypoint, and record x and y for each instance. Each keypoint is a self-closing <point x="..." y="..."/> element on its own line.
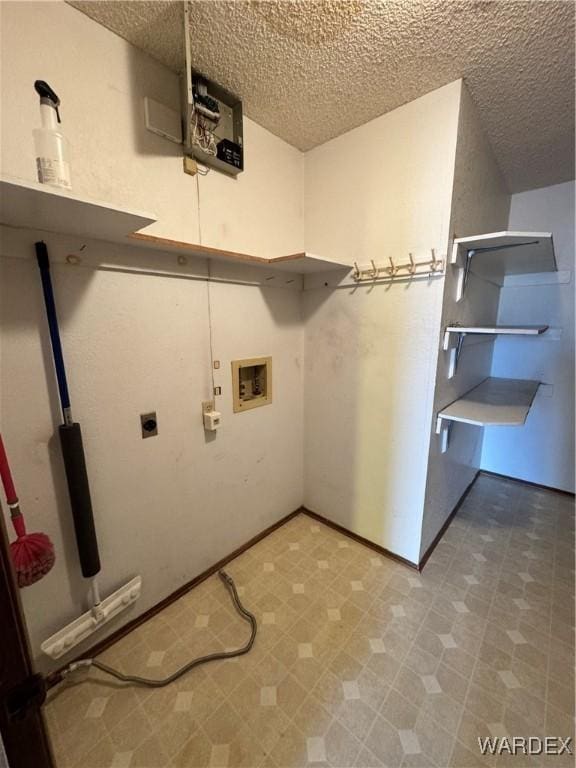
<point x="70" y="436"/>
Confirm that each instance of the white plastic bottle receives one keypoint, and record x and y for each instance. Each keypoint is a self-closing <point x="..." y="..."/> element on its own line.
<point x="50" y="143"/>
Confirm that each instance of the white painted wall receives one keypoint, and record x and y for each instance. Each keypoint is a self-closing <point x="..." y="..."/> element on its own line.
<point x="170" y="506"/>
<point x="102" y="81"/>
<point x="543" y="450"/>
<point x="480" y="203"/>
<point x="383" y="189"/>
<point x="167" y="507"/>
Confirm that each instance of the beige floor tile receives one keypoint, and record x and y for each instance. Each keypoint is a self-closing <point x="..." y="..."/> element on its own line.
<point x="291" y="749"/>
<point x="246" y="750"/>
<point x="384" y="741"/>
<point x="398" y="711"/>
<point x="150" y="754"/>
<point x="195" y="753"/>
<point x="222" y="726"/>
<point x="131" y="731"/>
<point x="101" y="756"/>
<point x="76" y="742"/>
<point x="358" y="661"/>
<point x="356" y="716"/>
<point x="470" y="729"/>
<point x="174" y="732"/>
<point x="267" y="725"/>
<point x="342" y="747"/>
<point x="463" y="757"/>
<point x="367" y="759"/>
<point x="313" y="718"/>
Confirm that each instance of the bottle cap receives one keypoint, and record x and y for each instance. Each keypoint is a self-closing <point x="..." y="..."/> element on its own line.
<point x="47" y="96"/>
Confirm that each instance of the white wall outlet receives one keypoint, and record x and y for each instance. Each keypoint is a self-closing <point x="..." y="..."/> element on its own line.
<point x="210" y="418"/>
<point x="212" y="421"/>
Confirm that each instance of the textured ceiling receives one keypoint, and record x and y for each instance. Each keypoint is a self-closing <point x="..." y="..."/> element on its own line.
<point x="309" y="70"/>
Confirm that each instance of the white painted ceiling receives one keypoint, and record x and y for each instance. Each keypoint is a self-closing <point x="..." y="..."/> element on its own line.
<point x="309" y="70"/>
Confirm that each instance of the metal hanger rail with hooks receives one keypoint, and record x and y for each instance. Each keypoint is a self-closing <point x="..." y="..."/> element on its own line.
<point x="411" y="268"/>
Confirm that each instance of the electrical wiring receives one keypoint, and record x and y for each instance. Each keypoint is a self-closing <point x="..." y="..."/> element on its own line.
<point x="201" y="134"/>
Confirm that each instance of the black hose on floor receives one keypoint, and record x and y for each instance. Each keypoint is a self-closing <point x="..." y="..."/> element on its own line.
<point x="152" y="683"/>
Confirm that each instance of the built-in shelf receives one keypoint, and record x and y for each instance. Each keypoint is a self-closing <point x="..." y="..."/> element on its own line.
<point x="487" y="330"/>
<point x="299" y="263"/>
<point x="494" y="255"/>
<point x="494" y="402"/>
<point x="30" y="205"/>
<point x="461" y="331"/>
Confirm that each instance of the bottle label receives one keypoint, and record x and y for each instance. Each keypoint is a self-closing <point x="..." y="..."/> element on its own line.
<point x="54" y="172"/>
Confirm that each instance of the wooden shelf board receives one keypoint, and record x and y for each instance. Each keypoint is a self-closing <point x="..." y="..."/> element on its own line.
<point x="510" y="330"/>
<point x="299" y="263"/>
<point x="527" y="253"/>
<point x="32" y="205"/>
<point x="494" y="402"/>
<point x="306" y="263"/>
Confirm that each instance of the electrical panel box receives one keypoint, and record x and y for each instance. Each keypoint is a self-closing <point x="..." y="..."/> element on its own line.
<point x="212" y="119"/>
<point x="251" y="383"/>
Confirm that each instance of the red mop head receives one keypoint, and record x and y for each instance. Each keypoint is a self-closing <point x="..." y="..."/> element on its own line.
<point x="32" y="554"/>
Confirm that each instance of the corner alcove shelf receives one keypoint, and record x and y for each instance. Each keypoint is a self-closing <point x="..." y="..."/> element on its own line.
<point x="491" y="257"/>
<point x="494" y="402"/>
<point x="30" y="205"/>
<point x="461" y="331"/>
<point x="494" y="255"/>
<point x="300" y="263"/>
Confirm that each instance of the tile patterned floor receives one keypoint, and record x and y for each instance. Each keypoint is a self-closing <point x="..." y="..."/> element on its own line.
<point x="358" y="661"/>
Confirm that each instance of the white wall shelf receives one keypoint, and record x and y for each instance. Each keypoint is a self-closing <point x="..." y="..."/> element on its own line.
<point x="462" y="331"/>
<point x="30" y="205"/>
<point x="510" y="330"/>
<point x="495" y="255"/>
<point x="298" y="263"/>
<point x="494" y="402"/>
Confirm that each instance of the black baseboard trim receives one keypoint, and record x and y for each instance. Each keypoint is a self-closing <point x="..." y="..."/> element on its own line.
<point x="360" y="539"/>
<point x="444" y="528"/>
<point x="55" y="677"/>
<point x="527" y="482"/>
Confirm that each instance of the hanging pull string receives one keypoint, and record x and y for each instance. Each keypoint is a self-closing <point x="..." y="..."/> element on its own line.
<point x="219" y="655"/>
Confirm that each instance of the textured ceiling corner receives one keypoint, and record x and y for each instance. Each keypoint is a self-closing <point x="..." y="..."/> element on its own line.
<point x="154" y="26"/>
<point x="310" y="71"/>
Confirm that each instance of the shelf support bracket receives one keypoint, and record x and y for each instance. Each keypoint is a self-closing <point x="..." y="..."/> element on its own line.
<point x="465" y="270"/>
<point x="443" y="428"/>
<point x="469" y="256"/>
<point x="454" y="351"/>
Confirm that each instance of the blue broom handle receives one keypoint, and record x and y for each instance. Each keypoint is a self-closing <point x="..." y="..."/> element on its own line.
<point x="44" y="265"/>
